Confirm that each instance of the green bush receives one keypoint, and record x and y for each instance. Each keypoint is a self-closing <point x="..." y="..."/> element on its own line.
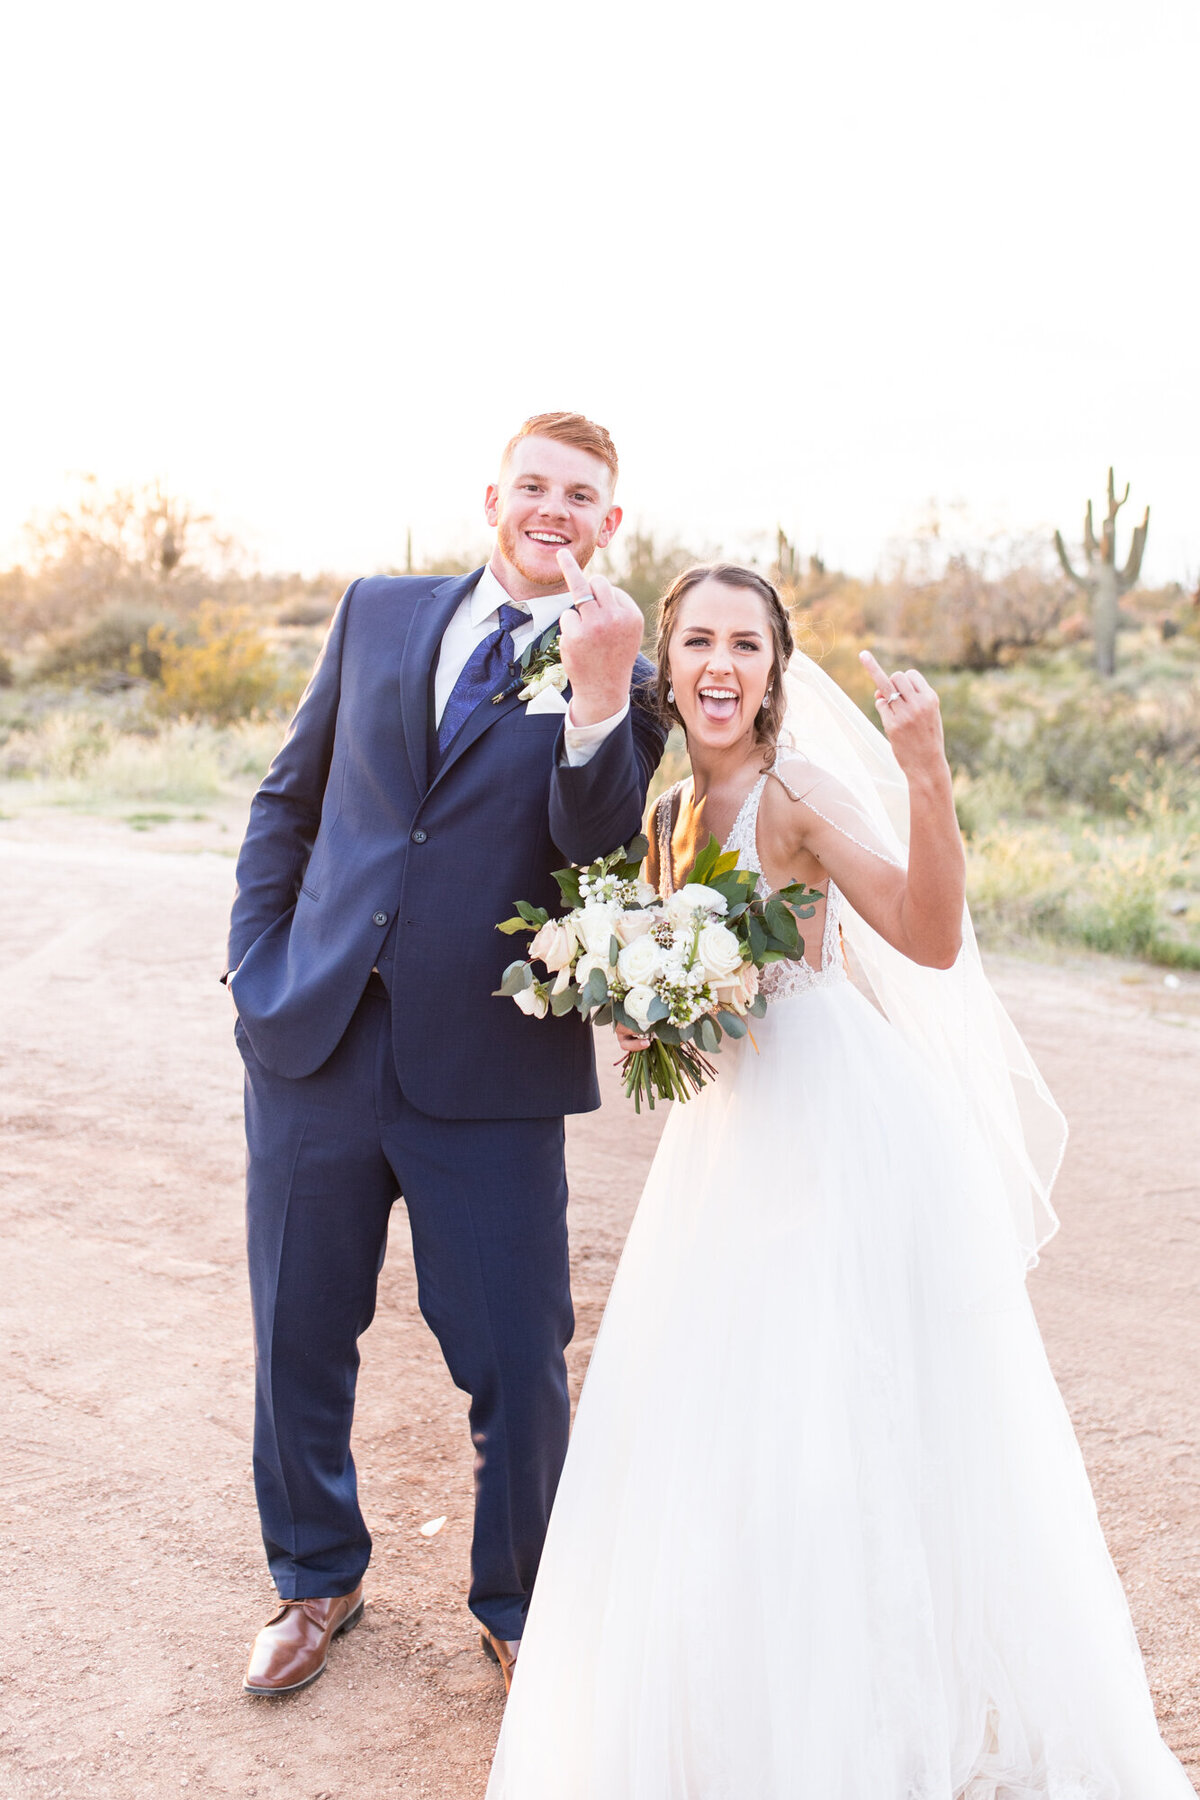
<point x="117" y="641"/>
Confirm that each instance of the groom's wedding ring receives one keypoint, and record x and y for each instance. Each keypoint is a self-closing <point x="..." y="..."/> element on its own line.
<point x="581" y="600"/>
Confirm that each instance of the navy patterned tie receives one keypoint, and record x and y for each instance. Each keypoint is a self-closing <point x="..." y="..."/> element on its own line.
<point x="486" y="674"/>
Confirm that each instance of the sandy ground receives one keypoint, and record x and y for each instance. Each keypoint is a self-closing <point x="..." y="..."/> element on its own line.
<point x="135" y="1572"/>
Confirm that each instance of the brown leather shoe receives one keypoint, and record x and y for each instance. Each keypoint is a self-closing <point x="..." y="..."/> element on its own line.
<point x="502" y="1651"/>
<point x="292" y="1648"/>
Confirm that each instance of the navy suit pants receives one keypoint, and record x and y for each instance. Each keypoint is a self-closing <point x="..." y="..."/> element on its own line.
<point x="328" y="1155"/>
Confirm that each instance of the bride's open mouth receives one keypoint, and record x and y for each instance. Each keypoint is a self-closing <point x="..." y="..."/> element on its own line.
<point x="718" y="703"/>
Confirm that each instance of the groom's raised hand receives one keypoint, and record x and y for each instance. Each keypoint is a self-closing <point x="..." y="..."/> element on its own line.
<point x="600" y="636"/>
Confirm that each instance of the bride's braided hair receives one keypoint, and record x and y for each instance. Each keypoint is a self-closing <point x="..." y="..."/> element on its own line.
<point x="769" y="723"/>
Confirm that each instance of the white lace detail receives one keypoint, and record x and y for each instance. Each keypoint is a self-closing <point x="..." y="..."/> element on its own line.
<point x="783" y="979"/>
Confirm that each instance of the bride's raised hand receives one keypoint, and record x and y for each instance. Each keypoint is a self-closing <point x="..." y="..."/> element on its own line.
<point x="912" y="718"/>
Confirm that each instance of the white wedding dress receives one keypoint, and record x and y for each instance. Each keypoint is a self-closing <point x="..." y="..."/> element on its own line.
<point x="824" y="1531"/>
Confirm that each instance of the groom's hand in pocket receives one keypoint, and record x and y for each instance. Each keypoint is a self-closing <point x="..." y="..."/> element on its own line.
<point x="600" y="636"/>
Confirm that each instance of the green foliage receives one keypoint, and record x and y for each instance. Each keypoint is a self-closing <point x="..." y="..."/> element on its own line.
<point x="117" y="641"/>
<point x="7" y="673"/>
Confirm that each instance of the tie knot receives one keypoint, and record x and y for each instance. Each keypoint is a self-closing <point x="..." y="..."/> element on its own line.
<point x="512" y="617"/>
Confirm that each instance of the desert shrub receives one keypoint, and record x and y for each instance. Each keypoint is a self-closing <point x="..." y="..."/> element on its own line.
<point x="1093" y="747"/>
<point x="7" y="673"/>
<point x="228" y="672"/>
<point x="967" y="723"/>
<point x="306" y="609"/>
<point x="118" y="641"/>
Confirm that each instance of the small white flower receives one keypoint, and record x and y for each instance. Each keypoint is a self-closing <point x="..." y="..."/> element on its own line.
<point x="639" y="961"/>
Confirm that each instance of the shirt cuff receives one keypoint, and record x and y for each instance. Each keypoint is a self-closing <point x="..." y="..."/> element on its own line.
<point x="581" y="742"/>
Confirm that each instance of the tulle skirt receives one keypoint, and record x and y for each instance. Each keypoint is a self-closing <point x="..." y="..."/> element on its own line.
<point x="824" y="1531"/>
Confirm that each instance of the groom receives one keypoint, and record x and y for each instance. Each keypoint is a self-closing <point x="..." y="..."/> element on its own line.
<point x="415" y="797"/>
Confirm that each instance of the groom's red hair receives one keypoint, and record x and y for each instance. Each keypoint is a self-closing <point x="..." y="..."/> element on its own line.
<point x="568" y="428"/>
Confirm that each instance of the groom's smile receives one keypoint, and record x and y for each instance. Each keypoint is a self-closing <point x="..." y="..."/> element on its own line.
<point x="550" y="497"/>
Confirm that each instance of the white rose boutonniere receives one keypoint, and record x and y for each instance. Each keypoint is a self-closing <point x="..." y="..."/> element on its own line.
<point x="541" y="666"/>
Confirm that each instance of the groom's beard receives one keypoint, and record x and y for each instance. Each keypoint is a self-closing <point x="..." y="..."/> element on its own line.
<point x="513" y="551"/>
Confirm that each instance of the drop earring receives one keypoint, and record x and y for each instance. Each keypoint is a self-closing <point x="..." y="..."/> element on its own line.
<point x="670" y="696"/>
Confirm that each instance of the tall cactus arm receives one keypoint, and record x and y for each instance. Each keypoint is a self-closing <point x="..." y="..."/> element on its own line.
<point x="1065" y="560"/>
<point x="1133" y="567"/>
<point x="1089" y="535"/>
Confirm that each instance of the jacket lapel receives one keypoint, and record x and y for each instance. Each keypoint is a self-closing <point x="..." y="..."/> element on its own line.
<point x="430" y="619"/>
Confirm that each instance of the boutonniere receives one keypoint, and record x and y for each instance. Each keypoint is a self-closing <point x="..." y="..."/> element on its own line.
<point x="538" y="667"/>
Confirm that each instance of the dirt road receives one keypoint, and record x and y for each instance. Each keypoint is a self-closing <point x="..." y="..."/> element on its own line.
<point x="135" y="1572"/>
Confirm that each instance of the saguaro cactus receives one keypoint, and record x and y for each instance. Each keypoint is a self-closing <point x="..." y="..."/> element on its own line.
<point x="1104" y="583"/>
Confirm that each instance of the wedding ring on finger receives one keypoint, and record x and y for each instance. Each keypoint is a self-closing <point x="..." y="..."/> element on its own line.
<point x="893" y="696"/>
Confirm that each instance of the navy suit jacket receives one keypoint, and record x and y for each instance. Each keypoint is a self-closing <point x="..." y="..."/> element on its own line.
<point x="352" y="843"/>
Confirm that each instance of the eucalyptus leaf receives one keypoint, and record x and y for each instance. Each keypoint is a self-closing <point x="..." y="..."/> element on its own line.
<point x="597" y="988"/>
<point x="604" y="1016"/>
<point x="758" y="1006"/>
<point x="515" y="979"/>
<point x="657" y="1010"/>
<point x="708" y="1032"/>
<point x="733" y="1025"/>
<point x="614" y="949"/>
<point x="533" y="915"/>
<point x="562" y="1003"/>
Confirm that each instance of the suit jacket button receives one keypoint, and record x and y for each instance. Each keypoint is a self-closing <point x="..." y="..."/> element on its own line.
<point x="379" y="918"/>
<point x="419" y="836"/>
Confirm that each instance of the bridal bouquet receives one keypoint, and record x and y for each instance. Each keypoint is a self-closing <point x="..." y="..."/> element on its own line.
<point x="682" y="972"/>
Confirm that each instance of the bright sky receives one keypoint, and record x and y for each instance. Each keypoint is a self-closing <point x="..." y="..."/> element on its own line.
<point x="810" y="264"/>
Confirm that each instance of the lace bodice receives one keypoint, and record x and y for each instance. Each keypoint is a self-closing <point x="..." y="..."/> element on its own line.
<point x="782" y="979"/>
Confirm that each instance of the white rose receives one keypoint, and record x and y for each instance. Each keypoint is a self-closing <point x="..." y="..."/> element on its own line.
<point x="593" y="926"/>
<point x="532" y="1001"/>
<point x="553" y="945"/>
<point x="685" y="901"/>
<point x="638" y="961"/>
<point x="719" y="951"/>
<point x="634" y="923"/>
<point x="562" y="980"/>
<point x="585" y="965"/>
<point x="637" y="1004"/>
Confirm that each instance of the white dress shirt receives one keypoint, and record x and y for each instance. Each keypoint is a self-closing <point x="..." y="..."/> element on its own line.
<point x="476" y="619"/>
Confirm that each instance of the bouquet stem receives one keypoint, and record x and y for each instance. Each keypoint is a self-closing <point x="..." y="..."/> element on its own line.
<point x="668" y="1071"/>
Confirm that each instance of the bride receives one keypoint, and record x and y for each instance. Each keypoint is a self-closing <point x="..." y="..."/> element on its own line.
<point x="824" y="1532"/>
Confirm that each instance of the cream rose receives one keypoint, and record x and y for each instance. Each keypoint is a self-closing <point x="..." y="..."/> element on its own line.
<point x="719" y="951"/>
<point x="532" y="1001"/>
<point x="686" y="900"/>
<point x="637" y="1004"/>
<point x="634" y="924"/>
<point x="738" y="993"/>
<point x="638" y="961"/>
<point x="553" y="945"/>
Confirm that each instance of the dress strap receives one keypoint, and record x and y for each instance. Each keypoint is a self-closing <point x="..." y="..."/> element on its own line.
<point x="874" y="850"/>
